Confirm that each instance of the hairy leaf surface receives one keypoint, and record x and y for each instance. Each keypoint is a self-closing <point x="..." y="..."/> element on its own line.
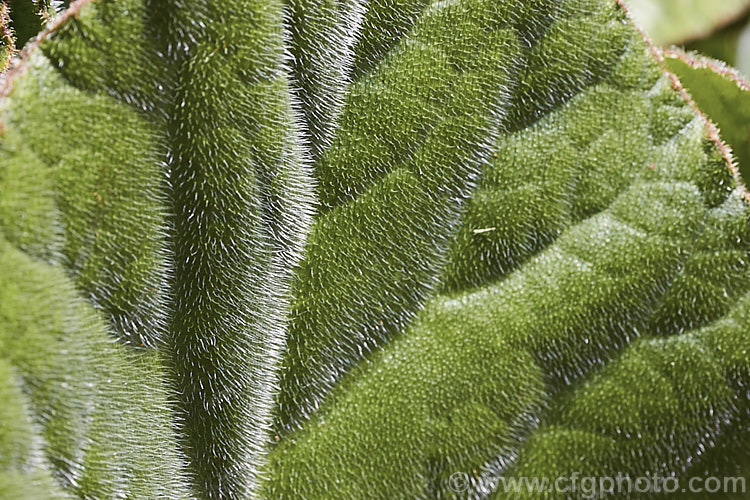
<point x="722" y="93"/>
<point x="350" y="249"/>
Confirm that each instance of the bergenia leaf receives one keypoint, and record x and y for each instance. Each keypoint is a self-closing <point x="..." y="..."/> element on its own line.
<point x="351" y="249"/>
<point x="722" y="93"/>
<point x="7" y="38"/>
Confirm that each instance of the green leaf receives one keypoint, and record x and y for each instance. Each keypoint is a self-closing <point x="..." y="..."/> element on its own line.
<point x="7" y="38"/>
<point x="723" y="94"/>
<point x="100" y="407"/>
<point x="23" y="469"/>
<point x="686" y="389"/>
<point x="349" y="249"/>
<point x="675" y="21"/>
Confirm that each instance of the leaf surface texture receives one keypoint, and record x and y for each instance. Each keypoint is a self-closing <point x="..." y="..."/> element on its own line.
<point x="347" y="249"/>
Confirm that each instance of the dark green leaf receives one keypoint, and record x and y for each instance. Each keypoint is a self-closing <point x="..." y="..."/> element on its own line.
<point x="348" y="249"/>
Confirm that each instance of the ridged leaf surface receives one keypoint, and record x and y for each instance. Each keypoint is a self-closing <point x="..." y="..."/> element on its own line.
<point x="349" y="249"/>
